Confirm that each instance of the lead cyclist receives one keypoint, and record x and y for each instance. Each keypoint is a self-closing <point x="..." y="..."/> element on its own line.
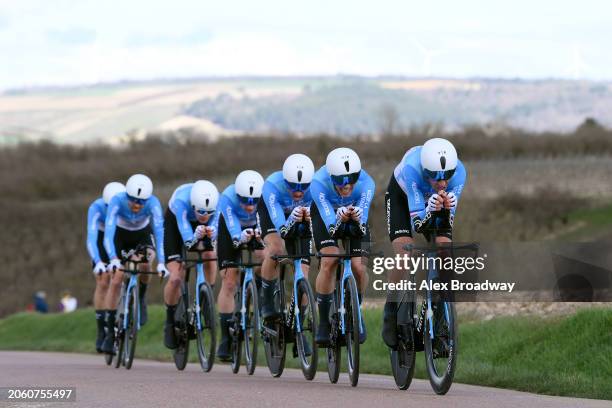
<point x="429" y="179"/>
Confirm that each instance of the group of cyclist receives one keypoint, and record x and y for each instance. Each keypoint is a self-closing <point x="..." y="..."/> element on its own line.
<point x="269" y="213"/>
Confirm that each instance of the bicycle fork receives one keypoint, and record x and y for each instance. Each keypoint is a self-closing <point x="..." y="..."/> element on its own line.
<point x="345" y="275"/>
<point x="248" y="277"/>
<point x="200" y="280"/>
<point x="126" y="306"/>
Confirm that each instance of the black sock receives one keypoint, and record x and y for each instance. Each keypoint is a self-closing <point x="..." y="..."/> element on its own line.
<point x="100" y="316"/>
<point x="110" y="318"/>
<point x="142" y="290"/>
<point x="170" y="310"/>
<point x="324" y="303"/>
<point x="224" y="321"/>
<point x="258" y="282"/>
<point x="268" y="288"/>
<point x="390" y="308"/>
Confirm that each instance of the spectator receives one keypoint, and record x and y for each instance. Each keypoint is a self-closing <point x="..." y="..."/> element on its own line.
<point x="68" y="303"/>
<point x="40" y="302"/>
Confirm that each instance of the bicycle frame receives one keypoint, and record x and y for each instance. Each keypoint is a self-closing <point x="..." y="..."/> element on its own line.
<point x="347" y="272"/>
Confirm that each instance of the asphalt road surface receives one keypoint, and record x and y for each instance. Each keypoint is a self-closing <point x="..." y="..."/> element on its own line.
<point x="153" y="384"/>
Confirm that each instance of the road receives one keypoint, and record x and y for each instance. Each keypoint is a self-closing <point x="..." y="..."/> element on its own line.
<point x="153" y="384"/>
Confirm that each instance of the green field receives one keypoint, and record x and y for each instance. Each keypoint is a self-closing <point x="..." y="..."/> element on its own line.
<point x="569" y="356"/>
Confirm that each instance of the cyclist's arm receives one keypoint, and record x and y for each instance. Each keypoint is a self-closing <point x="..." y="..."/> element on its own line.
<point x="457" y="184"/>
<point x="232" y="223"/>
<point x="214" y="222"/>
<point x="420" y="218"/>
<point x="367" y="194"/>
<point x="325" y="207"/>
<point x="93" y="216"/>
<point x="158" y="229"/>
<point x="180" y="211"/>
<point x="110" y="226"/>
<point x="277" y="215"/>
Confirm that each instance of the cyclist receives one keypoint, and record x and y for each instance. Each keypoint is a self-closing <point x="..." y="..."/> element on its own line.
<point x="286" y="203"/>
<point x="429" y="178"/>
<point x="96" y="215"/>
<point x="128" y="225"/>
<point x="190" y="217"/>
<point x="342" y="192"/>
<point x="237" y="225"/>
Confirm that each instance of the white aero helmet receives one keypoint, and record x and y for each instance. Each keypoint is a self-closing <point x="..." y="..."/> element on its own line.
<point x="139" y="186"/>
<point x="111" y="189"/>
<point x="298" y="171"/>
<point x="438" y="159"/>
<point x="343" y="166"/>
<point x="204" y="197"/>
<point x="248" y="185"/>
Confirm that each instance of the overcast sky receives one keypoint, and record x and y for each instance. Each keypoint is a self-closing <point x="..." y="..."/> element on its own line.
<point x="58" y="42"/>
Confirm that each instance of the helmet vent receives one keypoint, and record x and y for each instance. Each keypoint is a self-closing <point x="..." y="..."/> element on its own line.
<point x="443" y="162"/>
<point x="139" y="190"/>
<point x="251" y="190"/>
<point x="299" y="175"/>
<point x="346" y="165"/>
<point x="207" y="201"/>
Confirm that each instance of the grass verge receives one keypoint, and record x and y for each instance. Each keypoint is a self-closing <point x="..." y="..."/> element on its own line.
<point x="568" y="356"/>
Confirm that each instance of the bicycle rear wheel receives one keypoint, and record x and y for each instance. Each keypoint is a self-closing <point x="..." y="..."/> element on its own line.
<point x="274" y="339"/>
<point x="207" y="336"/>
<point x="252" y="328"/>
<point x="131" y="332"/>
<point x="307" y="335"/>
<point x="441" y="345"/>
<point x="351" y="319"/>
<point x="181" y="322"/>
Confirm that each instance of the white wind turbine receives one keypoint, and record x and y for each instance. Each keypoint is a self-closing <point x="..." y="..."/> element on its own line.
<point x="427" y="56"/>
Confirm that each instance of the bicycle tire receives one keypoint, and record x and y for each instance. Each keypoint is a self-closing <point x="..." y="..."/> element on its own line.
<point x="131" y="333"/>
<point x="275" y="346"/>
<point x="334" y="352"/>
<point x="402" y="365"/>
<point x="207" y="337"/>
<point x="181" y="353"/>
<point x="251" y="327"/>
<point x="351" y="305"/>
<point x="309" y="325"/>
<point x="441" y="383"/>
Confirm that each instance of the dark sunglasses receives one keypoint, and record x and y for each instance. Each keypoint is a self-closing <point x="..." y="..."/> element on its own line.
<point x="135" y="200"/>
<point x="248" y="200"/>
<point x="439" y="175"/>
<point x="342" y="181"/>
<point x="205" y="212"/>
<point x="297" y="186"/>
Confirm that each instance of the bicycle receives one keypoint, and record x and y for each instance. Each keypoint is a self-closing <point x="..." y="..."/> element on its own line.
<point x="345" y="319"/>
<point x="297" y="323"/>
<point x="195" y="320"/>
<point x="245" y="324"/>
<point x="432" y="328"/>
<point x="127" y="323"/>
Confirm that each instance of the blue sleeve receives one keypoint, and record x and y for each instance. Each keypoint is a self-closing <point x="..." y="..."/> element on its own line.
<point x="367" y="194"/>
<point x="325" y="207"/>
<point x="458" y="182"/>
<point x="232" y="223"/>
<point x="416" y="199"/>
<point x="275" y="210"/>
<point x="110" y="226"/>
<point x="180" y="209"/>
<point x="214" y="222"/>
<point x="93" y="216"/>
<point x="158" y="229"/>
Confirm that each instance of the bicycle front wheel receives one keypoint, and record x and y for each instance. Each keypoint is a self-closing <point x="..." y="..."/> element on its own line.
<point x="334" y="352"/>
<point x="131" y="332"/>
<point x="352" y="328"/>
<point x="274" y="340"/>
<point x="251" y="332"/>
<point x="207" y="337"/>
<point x="440" y="340"/>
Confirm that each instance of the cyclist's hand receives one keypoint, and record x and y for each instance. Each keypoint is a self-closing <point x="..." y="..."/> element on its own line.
<point x="343" y="214"/>
<point x="450" y="201"/>
<point x="162" y="271"/>
<point x="199" y="232"/>
<point x="257" y="233"/>
<point x="210" y="231"/>
<point x="100" y="268"/>
<point x="306" y="213"/>
<point x="356" y="213"/>
<point x="296" y="215"/>
<point x="114" y="265"/>
<point x="246" y="235"/>
<point x="435" y="203"/>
